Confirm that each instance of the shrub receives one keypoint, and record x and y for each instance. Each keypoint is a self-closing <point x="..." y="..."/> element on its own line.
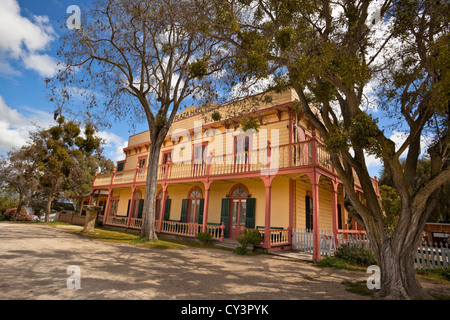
<point x="250" y="236"/>
<point x="362" y="256"/>
<point x="204" y="237"/>
<point x="241" y="250"/>
<point x="442" y="272"/>
<point x="332" y="262"/>
<point x="11" y="213"/>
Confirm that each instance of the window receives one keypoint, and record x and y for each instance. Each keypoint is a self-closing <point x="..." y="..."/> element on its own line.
<point x="141" y="166"/>
<point x="142" y="163"/>
<point x="241" y="149"/>
<point x="120" y="166"/>
<point x="114" y="206"/>
<point x="195" y="199"/>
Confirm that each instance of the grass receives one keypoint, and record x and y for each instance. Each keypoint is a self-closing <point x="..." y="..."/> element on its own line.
<point x="359" y="287"/>
<point x="108" y="235"/>
<point x="338" y="263"/>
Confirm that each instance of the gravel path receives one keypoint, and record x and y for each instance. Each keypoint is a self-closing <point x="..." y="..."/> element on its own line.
<point x="34" y="261"/>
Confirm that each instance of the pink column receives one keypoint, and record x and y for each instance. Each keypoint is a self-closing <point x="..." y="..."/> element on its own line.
<point x="316" y="234"/>
<point x="291" y="208"/>
<point x="108" y="205"/>
<point x="130" y="213"/>
<point x="207" y="185"/>
<point x="334" y="210"/>
<point x="163" y="207"/>
<point x="268" y="197"/>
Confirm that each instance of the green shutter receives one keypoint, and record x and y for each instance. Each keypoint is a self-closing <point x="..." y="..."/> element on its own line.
<point x="250" y="214"/>
<point x="140" y="208"/>
<point x="339" y="210"/>
<point x="167" y="210"/>
<point x="309" y="213"/>
<point x="128" y="209"/>
<point x="184" y="210"/>
<point x="225" y="213"/>
<point x="200" y="211"/>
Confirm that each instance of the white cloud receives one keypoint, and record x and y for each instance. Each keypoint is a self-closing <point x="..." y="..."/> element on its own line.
<point x="15" y="127"/>
<point x="113" y="145"/>
<point x="23" y="40"/>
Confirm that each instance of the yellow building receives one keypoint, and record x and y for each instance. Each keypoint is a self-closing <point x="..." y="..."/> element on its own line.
<point x="214" y="177"/>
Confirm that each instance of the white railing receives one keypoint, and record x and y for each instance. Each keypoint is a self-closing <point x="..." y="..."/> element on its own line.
<point x="431" y="256"/>
<point x="302" y="240"/>
<point x="353" y="240"/>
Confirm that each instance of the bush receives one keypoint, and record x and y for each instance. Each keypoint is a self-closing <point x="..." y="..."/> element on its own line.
<point x="11" y="213"/>
<point x="332" y="262"/>
<point x="241" y="250"/>
<point x="250" y="237"/>
<point x="442" y="272"/>
<point x="204" y="237"/>
<point x="362" y="256"/>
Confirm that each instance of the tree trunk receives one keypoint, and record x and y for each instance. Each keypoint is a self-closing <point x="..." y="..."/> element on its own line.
<point x="148" y="230"/>
<point x="398" y="276"/>
<point x="48" y="208"/>
<point x="396" y="254"/>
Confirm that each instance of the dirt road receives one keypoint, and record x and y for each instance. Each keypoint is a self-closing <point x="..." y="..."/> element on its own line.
<point x="34" y="261"/>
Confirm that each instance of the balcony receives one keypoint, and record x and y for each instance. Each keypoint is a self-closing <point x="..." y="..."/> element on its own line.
<point x="270" y="160"/>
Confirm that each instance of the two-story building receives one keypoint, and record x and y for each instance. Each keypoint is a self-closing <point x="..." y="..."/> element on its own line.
<point x="214" y="177"/>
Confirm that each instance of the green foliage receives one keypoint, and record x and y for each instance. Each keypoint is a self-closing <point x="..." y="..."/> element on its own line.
<point x="332" y="262"/>
<point x="198" y="69"/>
<point x="250" y="237"/>
<point x="363" y="133"/>
<point x="443" y="273"/>
<point x="391" y="203"/>
<point x="248" y="123"/>
<point x="242" y="250"/>
<point x="216" y="116"/>
<point x="204" y="237"/>
<point x="7" y="202"/>
<point x="361" y="256"/>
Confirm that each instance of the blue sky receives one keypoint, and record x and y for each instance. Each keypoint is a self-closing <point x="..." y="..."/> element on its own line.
<point x="28" y="42"/>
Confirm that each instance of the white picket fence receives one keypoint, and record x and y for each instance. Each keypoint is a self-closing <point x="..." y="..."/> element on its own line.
<point x="353" y="240"/>
<point x="431" y="256"/>
<point x="428" y="256"/>
<point x="302" y="240"/>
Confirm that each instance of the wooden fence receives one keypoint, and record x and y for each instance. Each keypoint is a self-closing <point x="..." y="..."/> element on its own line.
<point x="431" y="256"/>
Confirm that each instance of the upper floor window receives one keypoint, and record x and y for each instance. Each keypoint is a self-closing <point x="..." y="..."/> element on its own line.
<point x="141" y="163"/>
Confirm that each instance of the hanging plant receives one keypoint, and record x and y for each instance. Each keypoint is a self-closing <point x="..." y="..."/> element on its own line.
<point x="216" y="116"/>
<point x="248" y="123"/>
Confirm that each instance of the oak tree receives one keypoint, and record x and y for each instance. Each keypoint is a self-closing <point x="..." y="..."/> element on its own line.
<point x="140" y="60"/>
<point x="332" y="53"/>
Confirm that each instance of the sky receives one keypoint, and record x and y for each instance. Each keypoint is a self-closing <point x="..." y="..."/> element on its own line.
<point x="28" y="43"/>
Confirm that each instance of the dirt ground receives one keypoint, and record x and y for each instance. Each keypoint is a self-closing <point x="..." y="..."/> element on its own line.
<point x="34" y="260"/>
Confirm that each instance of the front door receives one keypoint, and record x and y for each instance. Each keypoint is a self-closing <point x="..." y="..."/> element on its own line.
<point x="237" y="217"/>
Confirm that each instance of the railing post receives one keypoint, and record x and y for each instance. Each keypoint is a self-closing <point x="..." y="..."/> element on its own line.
<point x="222" y="231"/>
<point x="168" y="166"/>
<point x="314" y="151"/>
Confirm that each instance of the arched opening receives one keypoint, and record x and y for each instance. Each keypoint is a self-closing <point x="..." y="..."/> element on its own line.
<point x="238" y="196"/>
<point x="195" y="198"/>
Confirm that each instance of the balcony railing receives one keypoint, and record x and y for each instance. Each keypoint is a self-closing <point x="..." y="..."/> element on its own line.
<point x="286" y="156"/>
